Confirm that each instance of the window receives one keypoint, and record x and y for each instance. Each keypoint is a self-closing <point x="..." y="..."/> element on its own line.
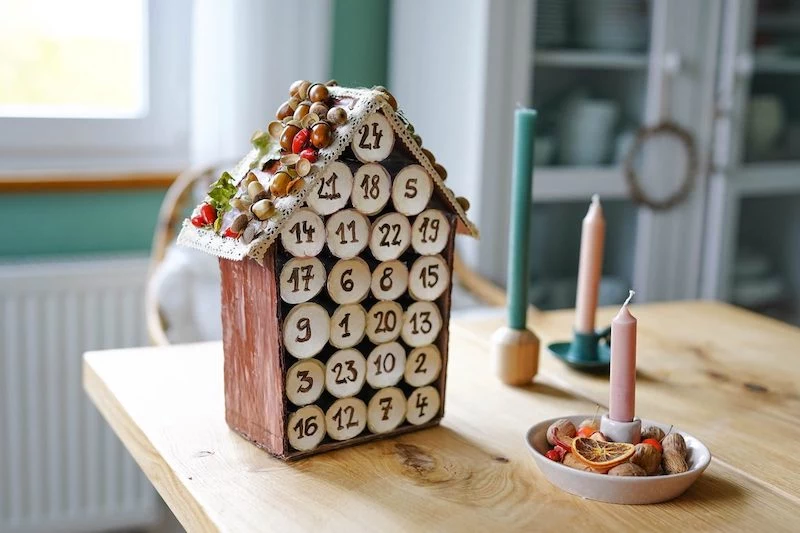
<point x="94" y="85"/>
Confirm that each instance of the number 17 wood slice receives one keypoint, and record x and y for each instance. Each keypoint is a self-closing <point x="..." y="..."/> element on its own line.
<point x="336" y="271"/>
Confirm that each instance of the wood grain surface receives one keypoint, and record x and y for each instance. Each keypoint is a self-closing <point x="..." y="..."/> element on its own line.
<point x="473" y="472"/>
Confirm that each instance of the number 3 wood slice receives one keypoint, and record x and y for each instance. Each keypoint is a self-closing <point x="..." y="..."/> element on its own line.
<point x="305" y="381"/>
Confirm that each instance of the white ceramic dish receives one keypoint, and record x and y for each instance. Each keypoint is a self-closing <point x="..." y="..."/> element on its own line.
<point x="614" y="489"/>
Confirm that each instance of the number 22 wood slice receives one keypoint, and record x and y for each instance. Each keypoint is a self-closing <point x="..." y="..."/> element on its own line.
<point x="391" y="236"/>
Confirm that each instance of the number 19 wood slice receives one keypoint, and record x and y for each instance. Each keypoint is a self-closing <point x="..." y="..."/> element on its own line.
<point x="430" y="232"/>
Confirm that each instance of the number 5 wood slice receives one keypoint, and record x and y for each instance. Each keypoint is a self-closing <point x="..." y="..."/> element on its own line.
<point x="411" y="190"/>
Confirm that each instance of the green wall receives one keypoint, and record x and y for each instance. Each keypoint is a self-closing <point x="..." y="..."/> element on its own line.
<point x="96" y="222"/>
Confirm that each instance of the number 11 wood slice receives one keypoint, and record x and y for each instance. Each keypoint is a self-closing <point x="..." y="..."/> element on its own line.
<point x="335" y="307"/>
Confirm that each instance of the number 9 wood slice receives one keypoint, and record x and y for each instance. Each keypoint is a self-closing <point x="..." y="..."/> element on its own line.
<point x="428" y="278"/>
<point x="385" y="365"/>
<point x="348" y="326"/>
<point x="306" y="428"/>
<point x="386" y="410"/>
<point x="374" y="139"/>
<point x="349" y="281"/>
<point x="332" y="190"/>
<point x="301" y="279"/>
<point x="346" y="418"/>
<point x="423" y="405"/>
<point x="305" y="330"/>
<point x="372" y="188"/>
<point x="430" y="232"/>
<point x="305" y="381"/>
<point x="345" y="373"/>
<point x="347" y="233"/>
<point x="389" y="280"/>
<point x="390" y="237"/>
<point x="422" y="323"/>
<point x="423" y="366"/>
<point x="384" y="321"/>
<point x="411" y="190"/>
<point x="303" y="235"/>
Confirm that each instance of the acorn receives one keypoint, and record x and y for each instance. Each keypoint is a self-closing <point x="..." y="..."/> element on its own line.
<point x="280" y="183"/>
<point x="294" y="87"/>
<point x="463" y="202"/>
<point x="240" y="204"/>
<point x="283" y="111"/>
<point x="296" y="185"/>
<point x="274" y="129"/>
<point x="253" y="188"/>
<point x="429" y="155"/>
<point x="319" y="109"/>
<point x="287" y="136"/>
<point x="389" y="96"/>
<point x="418" y="139"/>
<point x="239" y="223"/>
<point x="302" y="90"/>
<point x="293" y="103"/>
<point x="263" y="209"/>
<point x="440" y="170"/>
<point x="321" y="134"/>
<point x="337" y="115"/>
<point x="309" y="120"/>
<point x="301" y="111"/>
<point x="318" y="93"/>
<point x="290" y="159"/>
<point x="332" y="83"/>
<point x="303" y="166"/>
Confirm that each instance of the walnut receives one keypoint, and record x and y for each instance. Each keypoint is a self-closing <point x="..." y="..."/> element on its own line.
<point x="674" y="458"/>
<point x="627" y="469"/>
<point x="648" y="457"/>
<point x="653" y="432"/>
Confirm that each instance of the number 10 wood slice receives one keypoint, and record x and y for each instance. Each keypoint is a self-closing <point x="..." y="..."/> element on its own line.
<point x="337" y="333"/>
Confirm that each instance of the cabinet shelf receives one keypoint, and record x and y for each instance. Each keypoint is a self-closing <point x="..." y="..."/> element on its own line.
<point x="777" y="65"/>
<point x="564" y="184"/>
<point x="566" y="58"/>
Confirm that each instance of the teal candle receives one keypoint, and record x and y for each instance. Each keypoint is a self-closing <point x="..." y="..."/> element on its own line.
<point x="522" y="181"/>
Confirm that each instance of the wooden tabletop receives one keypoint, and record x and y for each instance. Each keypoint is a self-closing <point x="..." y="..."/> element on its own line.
<point x="725" y="375"/>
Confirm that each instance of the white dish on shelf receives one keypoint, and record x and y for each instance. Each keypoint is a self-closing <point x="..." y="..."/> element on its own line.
<point x="617" y="489"/>
<point x="611" y="24"/>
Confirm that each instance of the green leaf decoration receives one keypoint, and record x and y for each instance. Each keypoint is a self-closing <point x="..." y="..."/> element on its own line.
<point x="221" y="192"/>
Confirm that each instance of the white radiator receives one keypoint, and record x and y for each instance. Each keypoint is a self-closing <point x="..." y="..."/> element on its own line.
<point x="61" y="467"/>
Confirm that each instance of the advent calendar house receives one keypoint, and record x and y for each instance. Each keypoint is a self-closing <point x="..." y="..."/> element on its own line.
<point x="336" y="235"/>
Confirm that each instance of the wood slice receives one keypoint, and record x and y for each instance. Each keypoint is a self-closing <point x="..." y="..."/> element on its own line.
<point x="422" y="323"/>
<point x="305" y="381"/>
<point x="374" y="139"/>
<point x="303" y="235"/>
<point x="306" y="428"/>
<point x="390" y="236"/>
<point x="333" y="189"/>
<point x="428" y="278"/>
<point x="423" y="366"/>
<point x="345" y="373"/>
<point x="384" y="322"/>
<point x="348" y="326"/>
<point x="349" y="281"/>
<point x="423" y="404"/>
<point x="372" y="188"/>
<point x="347" y="233"/>
<point x="385" y="365"/>
<point x="389" y="280"/>
<point x="430" y="232"/>
<point x="306" y="330"/>
<point x="411" y="190"/>
<point x="301" y="279"/>
<point x="386" y="410"/>
<point x="346" y="418"/>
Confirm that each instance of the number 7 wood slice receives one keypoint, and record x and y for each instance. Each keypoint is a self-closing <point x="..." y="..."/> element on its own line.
<point x="335" y="309"/>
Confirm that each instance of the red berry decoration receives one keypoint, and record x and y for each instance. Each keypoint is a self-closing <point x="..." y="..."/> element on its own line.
<point x="208" y="213"/>
<point x="309" y="154"/>
<point x="655" y="443"/>
<point x="232" y="234"/>
<point x="300" y="140"/>
<point x="198" y="221"/>
<point x="553" y="455"/>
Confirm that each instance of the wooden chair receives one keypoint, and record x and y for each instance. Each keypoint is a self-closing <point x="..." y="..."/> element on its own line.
<point x="178" y="201"/>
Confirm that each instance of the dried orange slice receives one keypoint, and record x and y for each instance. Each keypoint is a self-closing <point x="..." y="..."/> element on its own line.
<point x="601" y="456"/>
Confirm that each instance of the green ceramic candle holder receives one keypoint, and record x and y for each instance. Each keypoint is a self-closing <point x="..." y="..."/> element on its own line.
<point x="588" y="352"/>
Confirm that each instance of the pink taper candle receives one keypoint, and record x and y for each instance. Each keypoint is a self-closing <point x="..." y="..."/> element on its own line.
<point x="622" y="398"/>
<point x="590" y="267"/>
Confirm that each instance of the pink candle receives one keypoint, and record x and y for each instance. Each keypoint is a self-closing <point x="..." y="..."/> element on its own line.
<point x="590" y="266"/>
<point x="622" y="398"/>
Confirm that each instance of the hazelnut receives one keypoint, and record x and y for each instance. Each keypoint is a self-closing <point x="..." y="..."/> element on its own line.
<point x="321" y="134"/>
<point x="253" y="188"/>
<point x="287" y="136"/>
<point x="301" y="111"/>
<point x="429" y="155"/>
<point x="440" y="170"/>
<point x="463" y="202"/>
<point x="239" y="223"/>
<point x="332" y="83"/>
<point x="390" y="99"/>
<point x="293" y="88"/>
<point x="337" y="115"/>
<point x="280" y="184"/>
<point x="318" y="93"/>
<point x="283" y="111"/>
<point x="263" y="209"/>
<point x="302" y="90"/>
<point x="653" y="432"/>
<point x="319" y="109"/>
<point x="627" y="469"/>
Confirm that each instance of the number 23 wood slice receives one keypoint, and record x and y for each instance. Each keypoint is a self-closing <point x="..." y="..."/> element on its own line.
<point x="345" y="373"/>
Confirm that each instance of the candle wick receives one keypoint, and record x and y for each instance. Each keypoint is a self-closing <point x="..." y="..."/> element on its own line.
<point x="630" y="297"/>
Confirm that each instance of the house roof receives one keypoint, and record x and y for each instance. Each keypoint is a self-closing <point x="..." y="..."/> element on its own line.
<point x="359" y="103"/>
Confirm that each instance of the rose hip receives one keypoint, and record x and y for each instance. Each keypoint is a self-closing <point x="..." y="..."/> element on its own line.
<point x="309" y="154"/>
<point x="301" y="140"/>
<point x="232" y="234"/>
<point x="208" y="213"/>
<point x="198" y="221"/>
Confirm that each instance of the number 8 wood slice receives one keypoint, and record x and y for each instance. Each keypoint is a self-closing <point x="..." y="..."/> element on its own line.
<point x="305" y="381"/>
<point x="303" y="235"/>
<point x="423" y="405"/>
<point x="390" y="237"/>
<point x="428" y="278"/>
<point x="346" y="418"/>
<point x="372" y="188"/>
<point x="411" y="190"/>
<point x="374" y="139"/>
<point x="349" y="281"/>
<point x="384" y="322"/>
<point x="389" y="280"/>
<point x="422" y="323"/>
<point x="430" y="232"/>
<point x="306" y="428"/>
<point x="348" y="326"/>
<point x="301" y="279"/>
<point x="385" y="365"/>
<point x="332" y="190"/>
<point x="345" y="373"/>
<point x="306" y="329"/>
<point x="347" y="233"/>
<point x="386" y="410"/>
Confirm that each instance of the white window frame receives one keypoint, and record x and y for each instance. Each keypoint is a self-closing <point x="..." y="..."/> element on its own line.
<point x="156" y="141"/>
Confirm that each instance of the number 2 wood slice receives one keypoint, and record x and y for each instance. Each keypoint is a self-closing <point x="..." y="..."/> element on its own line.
<point x="345" y="373"/>
<point x="372" y="188"/>
<point x="385" y="365"/>
<point x="428" y="278"/>
<point x="349" y="281"/>
<point x="430" y="232"/>
<point x="391" y="236"/>
<point x="423" y="366"/>
<point x="384" y="322"/>
<point x="305" y="330"/>
<point x="386" y="410"/>
<point x="303" y="235"/>
<point x="423" y="404"/>
<point x="348" y="326"/>
<point x="374" y="139"/>
<point x="347" y="233"/>
<point x="411" y="190"/>
<point x="346" y="418"/>
<point x="301" y="279"/>
<point x="422" y="323"/>
<point x="389" y="280"/>
<point x="332" y="190"/>
<point x="306" y="428"/>
<point x="305" y="381"/>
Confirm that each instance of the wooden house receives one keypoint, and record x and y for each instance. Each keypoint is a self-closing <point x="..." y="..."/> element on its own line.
<point x="335" y="235"/>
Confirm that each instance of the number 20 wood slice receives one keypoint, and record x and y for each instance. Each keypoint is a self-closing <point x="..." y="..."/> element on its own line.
<point x="384" y="322"/>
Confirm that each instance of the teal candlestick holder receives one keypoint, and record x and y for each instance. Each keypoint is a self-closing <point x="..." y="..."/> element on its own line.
<point x="588" y="352"/>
